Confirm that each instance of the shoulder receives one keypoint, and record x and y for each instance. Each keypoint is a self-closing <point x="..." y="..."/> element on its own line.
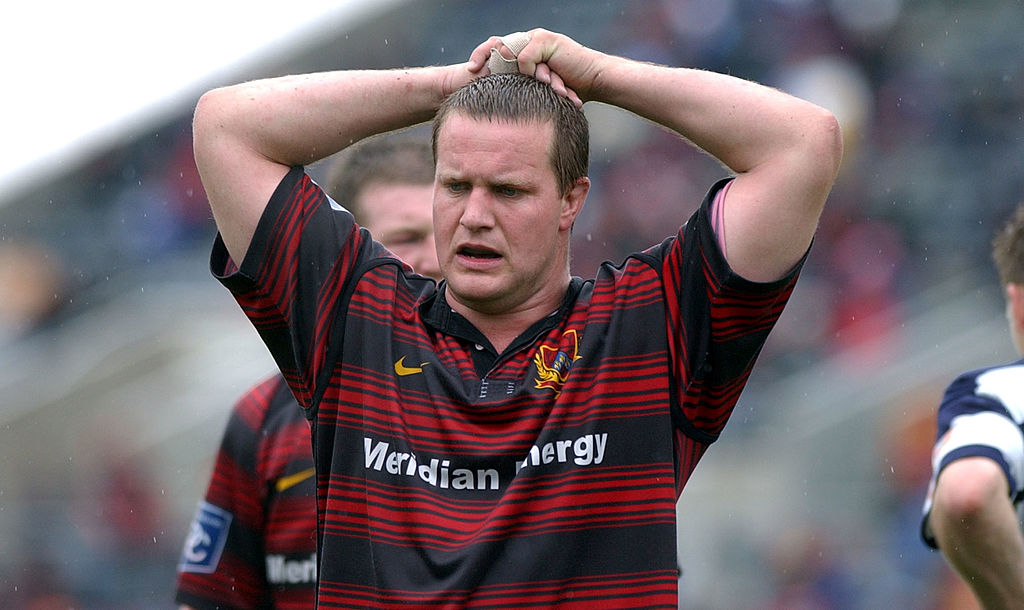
<point x="283" y="411"/>
<point x="1003" y="382"/>
<point x="258" y="399"/>
<point x="998" y="388"/>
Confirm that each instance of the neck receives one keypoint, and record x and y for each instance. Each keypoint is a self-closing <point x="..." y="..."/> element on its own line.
<point x="502" y="327"/>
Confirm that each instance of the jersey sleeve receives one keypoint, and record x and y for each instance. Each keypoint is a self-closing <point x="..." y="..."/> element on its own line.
<point x="222" y="560"/>
<point x="295" y="273"/>
<point x="981" y="415"/>
<point x="717" y="323"/>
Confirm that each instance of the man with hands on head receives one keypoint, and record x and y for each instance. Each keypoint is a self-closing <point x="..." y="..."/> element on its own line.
<point x="504" y="436"/>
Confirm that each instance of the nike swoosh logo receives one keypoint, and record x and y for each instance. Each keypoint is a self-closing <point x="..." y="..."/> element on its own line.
<point x="293" y="479"/>
<point x="403" y="370"/>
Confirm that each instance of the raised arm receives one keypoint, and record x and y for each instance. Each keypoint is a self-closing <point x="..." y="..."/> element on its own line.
<point x="784" y="151"/>
<point x="247" y="136"/>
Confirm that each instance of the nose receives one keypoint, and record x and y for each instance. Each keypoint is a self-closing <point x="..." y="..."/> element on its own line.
<point x="477" y="213"/>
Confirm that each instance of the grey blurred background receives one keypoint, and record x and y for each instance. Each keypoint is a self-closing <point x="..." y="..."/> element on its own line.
<point x="120" y="356"/>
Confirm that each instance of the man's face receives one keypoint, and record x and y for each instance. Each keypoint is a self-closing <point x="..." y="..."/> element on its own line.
<point x="399" y="216"/>
<point x="501" y="224"/>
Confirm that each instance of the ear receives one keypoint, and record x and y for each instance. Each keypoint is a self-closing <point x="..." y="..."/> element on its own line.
<point x="572" y="203"/>
<point x="1015" y="305"/>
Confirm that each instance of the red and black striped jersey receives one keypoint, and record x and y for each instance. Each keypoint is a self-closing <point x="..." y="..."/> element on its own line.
<point x="252" y="542"/>
<point x="544" y="476"/>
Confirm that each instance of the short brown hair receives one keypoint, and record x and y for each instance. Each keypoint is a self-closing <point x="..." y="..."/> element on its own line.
<point x="521" y="98"/>
<point x="389" y="158"/>
<point x="1008" y="249"/>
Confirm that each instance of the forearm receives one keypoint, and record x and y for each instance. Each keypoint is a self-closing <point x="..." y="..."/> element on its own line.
<point x="247" y="136"/>
<point x="295" y="120"/>
<point x="741" y="123"/>
<point x="989" y="555"/>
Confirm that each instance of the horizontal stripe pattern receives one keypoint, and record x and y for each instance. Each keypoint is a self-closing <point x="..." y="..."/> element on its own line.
<point x="441" y="488"/>
<point x="585" y="593"/>
<point x="266" y="439"/>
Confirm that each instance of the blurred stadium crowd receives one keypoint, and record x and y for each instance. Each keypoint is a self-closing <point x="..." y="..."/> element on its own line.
<point x="121" y="355"/>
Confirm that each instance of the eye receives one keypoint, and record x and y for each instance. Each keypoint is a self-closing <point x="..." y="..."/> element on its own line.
<point x="456" y="187"/>
<point x="506" y="190"/>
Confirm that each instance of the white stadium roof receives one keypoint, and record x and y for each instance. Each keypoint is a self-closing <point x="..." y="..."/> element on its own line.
<point x="81" y="75"/>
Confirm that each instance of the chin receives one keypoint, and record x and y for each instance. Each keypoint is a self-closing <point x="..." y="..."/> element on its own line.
<point x="472" y="292"/>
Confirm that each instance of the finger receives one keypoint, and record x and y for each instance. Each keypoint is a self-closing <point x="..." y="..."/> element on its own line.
<point x="497" y="63"/>
<point x="543" y="73"/>
<point x="558" y="85"/>
<point x="478" y="58"/>
<point x="503" y="55"/>
<point x="516" y="42"/>
<point x="560" y="88"/>
<point x="574" y="98"/>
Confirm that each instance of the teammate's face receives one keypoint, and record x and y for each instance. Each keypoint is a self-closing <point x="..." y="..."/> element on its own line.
<point x="399" y="216"/>
<point x="501" y="223"/>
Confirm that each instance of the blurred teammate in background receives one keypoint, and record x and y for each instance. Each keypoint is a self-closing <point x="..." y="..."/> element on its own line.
<point x="973" y="509"/>
<point x="252" y="542"/>
<point x="514" y="436"/>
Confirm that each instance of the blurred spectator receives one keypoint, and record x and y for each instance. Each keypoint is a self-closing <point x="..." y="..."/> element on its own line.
<point x="866" y="259"/>
<point x="161" y="206"/>
<point x="31" y="287"/>
<point x="810" y="572"/>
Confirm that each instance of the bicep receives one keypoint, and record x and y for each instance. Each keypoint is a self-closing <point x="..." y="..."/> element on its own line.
<point x="769" y="219"/>
<point x="773" y="207"/>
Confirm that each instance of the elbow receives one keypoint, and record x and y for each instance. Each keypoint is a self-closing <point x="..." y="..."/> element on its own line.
<point x="811" y="158"/>
<point x="834" y="145"/>
<point x="964" y="494"/>
<point x="827" y="144"/>
<point x="207" y="118"/>
<point x="959" y="506"/>
<point x="212" y="120"/>
<point x="817" y="154"/>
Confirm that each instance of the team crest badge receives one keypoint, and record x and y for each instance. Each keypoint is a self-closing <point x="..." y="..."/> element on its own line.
<point x="554" y="362"/>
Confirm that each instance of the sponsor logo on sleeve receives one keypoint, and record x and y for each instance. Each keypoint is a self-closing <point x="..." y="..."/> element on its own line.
<point x="206" y="538"/>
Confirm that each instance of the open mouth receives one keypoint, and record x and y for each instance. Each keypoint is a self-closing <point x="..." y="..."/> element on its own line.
<point x="478" y="253"/>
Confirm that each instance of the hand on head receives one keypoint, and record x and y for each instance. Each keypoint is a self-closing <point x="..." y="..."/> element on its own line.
<point x="549" y="57"/>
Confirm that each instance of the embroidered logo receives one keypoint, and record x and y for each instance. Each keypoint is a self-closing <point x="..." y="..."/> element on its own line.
<point x="294" y="479"/>
<point x="553" y="363"/>
<point x="402" y="370"/>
